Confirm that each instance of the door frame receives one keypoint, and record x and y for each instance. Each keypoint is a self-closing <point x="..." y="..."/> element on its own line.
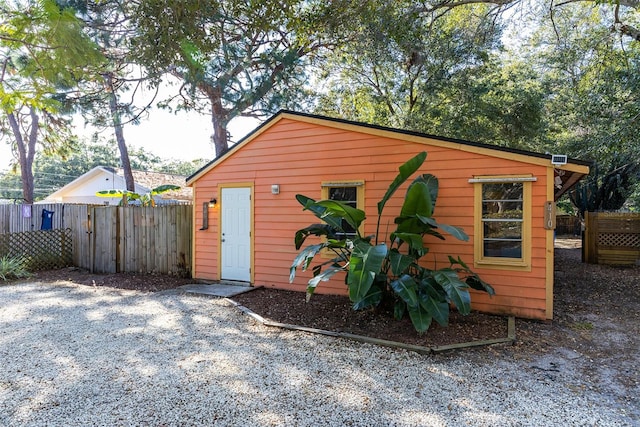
<point x="250" y="186"/>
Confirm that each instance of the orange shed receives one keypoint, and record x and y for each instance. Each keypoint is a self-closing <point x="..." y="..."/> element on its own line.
<point x="246" y="213"/>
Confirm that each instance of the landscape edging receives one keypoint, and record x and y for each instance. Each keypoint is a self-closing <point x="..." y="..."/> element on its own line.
<point x="510" y="338"/>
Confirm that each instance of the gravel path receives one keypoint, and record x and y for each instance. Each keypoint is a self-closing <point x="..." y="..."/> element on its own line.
<point x="78" y="356"/>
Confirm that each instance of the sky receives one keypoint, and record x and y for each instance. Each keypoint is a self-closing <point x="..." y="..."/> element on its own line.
<point x="181" y="136"/>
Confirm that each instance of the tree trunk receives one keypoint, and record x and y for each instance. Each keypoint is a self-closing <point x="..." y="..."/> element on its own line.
<point x="219" y="119"/>
<point x="117" y="127"/>
<point x="220" y="140"/>
<point x="26" y="152"/>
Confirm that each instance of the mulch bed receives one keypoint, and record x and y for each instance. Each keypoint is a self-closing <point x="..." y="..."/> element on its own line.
<point x="334" y="313"/>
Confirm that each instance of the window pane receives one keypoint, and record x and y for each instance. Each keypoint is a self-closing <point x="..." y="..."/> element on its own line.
<point x="503" y="249"/>
<point x="348" y="195"/>
<point x="502" y="191"/>
<point x="493" y="209"/>
<point x="503" y="230"/>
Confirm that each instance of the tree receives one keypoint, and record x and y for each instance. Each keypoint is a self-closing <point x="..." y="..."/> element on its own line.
<point x="439" y="76"/>
<point x="621" y="16"/>
<point x="42" y="53"/>
<point x="593" y="102"/>
<point x="233" y="57"/>
<point x="109" y="25"/>
<point x="609" y="191"/>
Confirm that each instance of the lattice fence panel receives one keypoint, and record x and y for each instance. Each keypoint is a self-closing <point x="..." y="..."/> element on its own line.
<point x="619" y="240"/>
<point x="42" y="249"/>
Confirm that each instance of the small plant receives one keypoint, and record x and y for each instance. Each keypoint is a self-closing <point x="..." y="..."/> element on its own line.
<point x="145" y="199"/>
<point x="13" y="268"/>
<point x="582" y="326"/>
<point x="390" y="276"/>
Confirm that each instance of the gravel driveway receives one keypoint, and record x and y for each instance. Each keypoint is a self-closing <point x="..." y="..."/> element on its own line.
<point x="78" y="356"/>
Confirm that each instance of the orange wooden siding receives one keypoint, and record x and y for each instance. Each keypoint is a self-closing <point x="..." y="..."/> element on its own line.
<point x="299" y="155"/>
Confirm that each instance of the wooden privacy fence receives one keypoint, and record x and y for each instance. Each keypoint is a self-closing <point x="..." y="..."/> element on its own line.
<point x="111" y="239"/>
<point x="612" y="238"/>
<point x="140" y="239"/>
<point x="568" y="225"/>
<point x="19" y="218"/>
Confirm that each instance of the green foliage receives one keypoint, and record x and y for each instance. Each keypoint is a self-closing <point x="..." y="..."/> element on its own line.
<point x="592" y="77"/>
<point x="12" y="268"/>
<point x="44" y="54"/>
<point x="234" y="57"/>
<point x="44" y="48"/>
<point x="390" y="274"/>
<point x="413" y="71"/>
<point x="144" y="199"/>
<point x="607" y="191"/>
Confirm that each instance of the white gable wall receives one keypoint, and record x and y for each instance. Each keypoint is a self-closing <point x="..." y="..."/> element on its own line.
<point x="84" y="190"/>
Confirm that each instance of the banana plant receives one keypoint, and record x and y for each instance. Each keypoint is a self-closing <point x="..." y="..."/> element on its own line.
<point x="146" y="199"/>
<point x="390" y="274"/>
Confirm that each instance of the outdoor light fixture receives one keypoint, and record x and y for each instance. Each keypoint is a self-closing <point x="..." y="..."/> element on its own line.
<point x="275" y="189"/>
<point x="213" y="202"/>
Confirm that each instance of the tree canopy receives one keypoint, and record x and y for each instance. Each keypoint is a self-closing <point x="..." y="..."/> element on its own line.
<point x="560" y="77"/>
<point x="233" y="57"/>
<point x="43" y="54"/>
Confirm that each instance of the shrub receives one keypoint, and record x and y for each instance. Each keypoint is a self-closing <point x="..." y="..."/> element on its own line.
<point x="390" y="275"/>
<point x="12" y="268"/>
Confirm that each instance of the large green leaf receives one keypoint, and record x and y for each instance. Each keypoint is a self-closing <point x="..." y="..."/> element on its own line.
<point x="399" y="308"/>
<point x="474" y="281"/>
<point x="434" y="304"/>
<point x="457" y="291"/>
<point x="456" y="232"/>
<point x="316" y="230"/>
<point x="365" y="262"/>
<point x="322" y="277"/>
<point x="413" y="240"/>
<point x="405" y="171"/>
<point x="305" y="257"/>
<point x="420" y="318"/>
<point x="164" y="188"/>
<point x="371" y="299"/>
<point x="417" y="201"/>
<point x="337" y="209"/>
<point x="399" y="262"/>
<point x="413" y="225"/>
<point x="319" y="211"/>
<point x="432" y="183"/>
<point x="405" y="287"/>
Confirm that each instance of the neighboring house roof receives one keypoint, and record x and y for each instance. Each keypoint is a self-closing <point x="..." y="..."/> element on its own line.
<point x="83" y="188"/>
<point x="574" y="170"/>
<point x="155" y="179"/>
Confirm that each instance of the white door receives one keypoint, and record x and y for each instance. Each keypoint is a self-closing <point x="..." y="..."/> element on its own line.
<point x="235" y="237"/>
